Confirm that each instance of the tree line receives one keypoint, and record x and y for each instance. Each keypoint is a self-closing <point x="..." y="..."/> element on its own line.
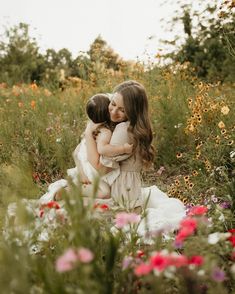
<point x="208" y="48"/>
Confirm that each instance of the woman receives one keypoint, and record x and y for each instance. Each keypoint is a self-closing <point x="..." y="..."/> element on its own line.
<point x="129" y="109"/>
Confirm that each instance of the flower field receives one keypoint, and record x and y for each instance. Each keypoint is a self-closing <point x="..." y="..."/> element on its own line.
<point x="66" y="247"/>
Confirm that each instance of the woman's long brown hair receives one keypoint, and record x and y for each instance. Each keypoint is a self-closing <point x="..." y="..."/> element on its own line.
<point x="136" y="108"/>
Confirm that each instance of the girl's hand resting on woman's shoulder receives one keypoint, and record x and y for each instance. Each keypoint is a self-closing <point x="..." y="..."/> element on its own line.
<point x="128" y="148"/>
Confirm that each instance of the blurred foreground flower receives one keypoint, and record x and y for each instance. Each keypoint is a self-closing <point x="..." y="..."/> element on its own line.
<point x="124" y="218"/>
<point x="69" y="259"/>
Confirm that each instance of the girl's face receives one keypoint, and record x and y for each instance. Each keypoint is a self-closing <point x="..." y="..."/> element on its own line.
<point x="116" y="109"/>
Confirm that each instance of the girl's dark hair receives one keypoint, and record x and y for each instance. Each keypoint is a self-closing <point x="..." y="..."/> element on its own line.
<point x="97" y="108"/>
<point x="136" y="109"/>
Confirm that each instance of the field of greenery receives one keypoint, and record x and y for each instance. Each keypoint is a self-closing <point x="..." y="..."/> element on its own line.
<point x="65" y="247"/>
<point x="193" y="124"/>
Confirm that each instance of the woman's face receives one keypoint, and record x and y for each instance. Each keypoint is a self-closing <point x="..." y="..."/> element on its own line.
<point x="116" y="109"/>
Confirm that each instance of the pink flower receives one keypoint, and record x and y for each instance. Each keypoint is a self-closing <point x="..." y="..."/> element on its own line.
<point x="198" y="210"/>
<point x="85" y="255"/>
<point x="159" y="262"/>
<point x="143" y="269"/>
<point x="66" y="261"/>
<point x="124" y="218"/>
<point x="196" y="260"/>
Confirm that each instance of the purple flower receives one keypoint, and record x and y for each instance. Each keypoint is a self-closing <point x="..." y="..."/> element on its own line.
<point x="225" y="204"/>
<point x="218" y="275"/>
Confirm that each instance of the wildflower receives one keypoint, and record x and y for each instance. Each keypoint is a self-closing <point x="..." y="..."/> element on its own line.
<point x="177" y="182"/>
<point x="51" y="204"/>
<point x="34" y="86"/>
<point x="85" y="255"/>
<point x="140" y="253"/>
<point x="194" y="173"/>
<point x="214" y="238"/>
<point x="143" y="269"/>
<point x="179" y="155"/>
<point x="225" y="110"/>
<point x="231" y="239"/>
<point x="196" y="260"/>
<point x="187" y="228"/>
<point x="20" y="104"/>
<point x="178" y="260"/>
<point x="225" y="204"/>
<point x="101" y="207"/>
<point x="190" y="185"/>
<point x="67" y="261"/>
<point x="191" y="128"/>
<point x="127" y="261"/>
<point x="198" y="210"/>
<point x="33" y="104"/>
<point x="124" y="218"/>
<point x="230" y="142"/>
<point x="218" y="275"/>
<point x="159" y="261"/>
<point x="221" y="125"/>
<point x="223" y="131"/>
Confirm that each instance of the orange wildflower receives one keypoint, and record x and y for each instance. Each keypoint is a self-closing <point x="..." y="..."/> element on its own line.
<point x="33" y="104"/>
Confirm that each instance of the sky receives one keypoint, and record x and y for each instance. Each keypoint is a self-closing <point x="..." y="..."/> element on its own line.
<point x="131" y="27"/>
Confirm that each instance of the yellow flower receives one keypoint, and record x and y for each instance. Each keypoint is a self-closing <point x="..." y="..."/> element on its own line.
<point x="194" y="173"/>
<point x="190" y="185"/>
<point x="225" y="110"/>
<point x="230" y="142"/>
<point x="223" y="131"/>
<point x="179" y="155"/>
<point x="221" y="125"/>
<point x="191" y="128"/>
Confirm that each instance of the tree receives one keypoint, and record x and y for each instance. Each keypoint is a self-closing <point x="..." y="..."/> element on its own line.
<point x="19" y="57"/>
<point x="209" y="46"/>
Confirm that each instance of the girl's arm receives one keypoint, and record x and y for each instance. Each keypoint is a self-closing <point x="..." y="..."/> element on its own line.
<point x="91" y="147"/>
<point x="106" y="149"/>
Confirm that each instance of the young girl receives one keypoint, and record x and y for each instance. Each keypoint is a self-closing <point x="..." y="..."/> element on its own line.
<point x="97" y="111"/>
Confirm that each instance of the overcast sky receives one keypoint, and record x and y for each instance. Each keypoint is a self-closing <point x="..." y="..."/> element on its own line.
<point x="131" y="27"/>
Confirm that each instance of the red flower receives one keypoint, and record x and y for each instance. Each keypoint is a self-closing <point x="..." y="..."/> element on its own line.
<point x="51" y="204"/>
<point x="198" y="210"/>
<point x="140" y="253"/>
<point x="187" y="228"/>
<point x="232" y="231"/>
<point x="41" y="213"/>
<point x="196" y="260"/>
<point x="101" y="206"/>
<point x="159" y="262"/>
<point x="232" y="240"/>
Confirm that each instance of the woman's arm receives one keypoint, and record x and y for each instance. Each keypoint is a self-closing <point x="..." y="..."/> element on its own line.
<point x="106" y="149"/>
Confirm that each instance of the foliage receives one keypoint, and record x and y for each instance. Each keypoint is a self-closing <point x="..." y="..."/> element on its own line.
<point x="209" y="45"/>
